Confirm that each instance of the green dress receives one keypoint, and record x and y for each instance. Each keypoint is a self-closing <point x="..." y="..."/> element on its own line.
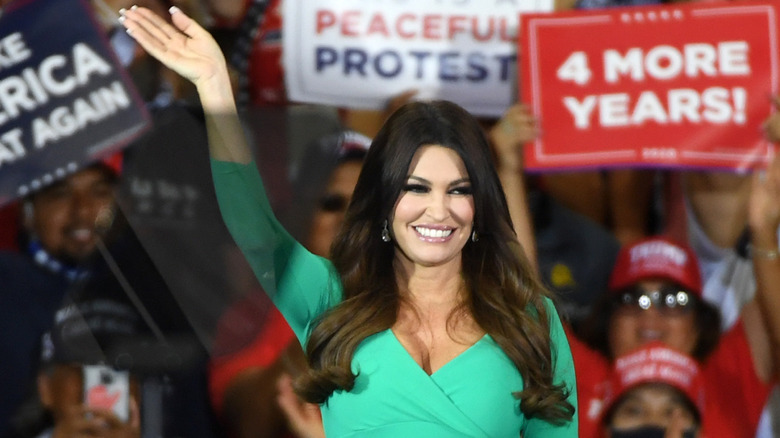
<point x="470" y="396"/>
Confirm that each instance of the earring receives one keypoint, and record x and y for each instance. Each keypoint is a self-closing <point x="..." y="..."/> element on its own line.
<point x="385" y="232"/>
<point x="474" y="235"/>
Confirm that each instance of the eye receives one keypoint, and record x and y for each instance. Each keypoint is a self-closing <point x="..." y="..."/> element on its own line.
<point x="57" y="191"/>
<point x="416" y="188"/>
<point x="461" y="190"/>
<point x="333" y="203"/>
<point x="103" y="190"/>
<point x="631" y="409"/>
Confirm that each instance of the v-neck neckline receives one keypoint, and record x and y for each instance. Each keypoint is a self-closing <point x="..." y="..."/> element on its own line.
<point x="417" y="365"/>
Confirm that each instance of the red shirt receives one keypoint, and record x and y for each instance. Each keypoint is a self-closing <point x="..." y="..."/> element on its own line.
<point x="266" y="347"/>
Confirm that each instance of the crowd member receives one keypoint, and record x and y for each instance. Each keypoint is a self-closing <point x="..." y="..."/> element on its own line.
<point x="561" y="240"/>
<point x="243" y="383"/>
<point x="655" y="295"/>
<point x="434" y="233"/>
<point x="61" y="225"/>
<point x="654" y="391"/>
<point x="711" y="210"/>
<point x="83" y="335"/>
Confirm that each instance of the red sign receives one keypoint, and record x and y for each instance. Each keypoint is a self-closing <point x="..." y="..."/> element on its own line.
<point x="659" y="86"/>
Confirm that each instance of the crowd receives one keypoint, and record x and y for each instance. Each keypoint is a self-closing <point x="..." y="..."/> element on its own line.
<point x="185" y="278"/>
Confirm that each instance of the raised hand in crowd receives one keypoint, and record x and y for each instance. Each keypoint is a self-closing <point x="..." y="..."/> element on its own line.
<point x="764" y="222"/>
<point x="771" y="126"/>
<point x="508" y="136"/>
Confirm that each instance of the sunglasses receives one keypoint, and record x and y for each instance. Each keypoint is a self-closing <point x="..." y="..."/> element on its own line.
<point x="668" y="300"/>
<point x="333" y="203"/>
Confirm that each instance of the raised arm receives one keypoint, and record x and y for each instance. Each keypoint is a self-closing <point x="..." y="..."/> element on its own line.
<point x="299" y="283"/>
<point x="515" y="128"/>
<point x="764" y="220"/>
<point x="192" y="52"/>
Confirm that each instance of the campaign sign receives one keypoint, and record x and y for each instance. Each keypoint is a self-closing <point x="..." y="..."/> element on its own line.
<point x="64" y="99"/>
<point x="662" y="86"/>
<point x="358" y="53"/>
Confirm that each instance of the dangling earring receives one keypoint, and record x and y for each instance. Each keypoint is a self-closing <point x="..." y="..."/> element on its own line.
<point x="385" y="232"/>
<point x="474" y="235"/>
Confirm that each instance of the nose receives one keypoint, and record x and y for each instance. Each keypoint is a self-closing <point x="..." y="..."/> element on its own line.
<point x="650" y="318"/>
<point x="438" y="208"/>
<point x="84" y="208"/>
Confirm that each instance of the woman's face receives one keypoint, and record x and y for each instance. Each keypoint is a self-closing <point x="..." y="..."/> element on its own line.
<point x="657" y="405"/>
<point x="434" y="214"/>
<point x="632" y="326"/>
<point x="331" y="207"/>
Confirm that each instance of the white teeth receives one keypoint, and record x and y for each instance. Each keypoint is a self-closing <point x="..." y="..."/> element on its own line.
<point x="428" y="232"/>
<point x="82" y="233"/>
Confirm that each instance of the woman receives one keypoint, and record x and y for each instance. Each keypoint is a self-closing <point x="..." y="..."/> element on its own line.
<point x="428" y="322"/>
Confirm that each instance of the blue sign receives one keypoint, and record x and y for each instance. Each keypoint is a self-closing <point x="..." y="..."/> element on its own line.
<point x="65" y="100"/>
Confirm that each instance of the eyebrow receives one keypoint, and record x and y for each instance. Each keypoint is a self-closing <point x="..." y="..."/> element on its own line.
<point x="453" y="183"/>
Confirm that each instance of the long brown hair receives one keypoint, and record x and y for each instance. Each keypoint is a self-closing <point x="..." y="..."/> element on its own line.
<point x="503" y="295"/>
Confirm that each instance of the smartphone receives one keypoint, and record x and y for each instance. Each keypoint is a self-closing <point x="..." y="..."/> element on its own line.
<point x="107" y="388"/>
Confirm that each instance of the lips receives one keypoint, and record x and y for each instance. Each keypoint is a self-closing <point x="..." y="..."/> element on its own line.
<point x="650" y="335"/>
<point x="81" y="234"/>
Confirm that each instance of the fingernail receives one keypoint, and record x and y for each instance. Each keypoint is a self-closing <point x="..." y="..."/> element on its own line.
<point x="173" y="9"/>
<point x="129" y="31"/>
<point x="122" y="18"/>
<point x="122" y="11"/>
<point x="134" y="7"/>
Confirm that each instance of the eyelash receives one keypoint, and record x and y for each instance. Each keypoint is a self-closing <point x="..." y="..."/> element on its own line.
<point x="419" y="188"/>
<point x="416" y="188"/>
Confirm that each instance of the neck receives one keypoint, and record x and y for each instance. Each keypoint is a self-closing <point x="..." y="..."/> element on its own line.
<point x="431" y="288"/>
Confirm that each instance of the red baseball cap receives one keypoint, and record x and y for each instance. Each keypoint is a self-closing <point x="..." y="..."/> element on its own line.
<point x="655" y="363"/>
<point x="113" y="162"/>
<point x="656" y="258"/>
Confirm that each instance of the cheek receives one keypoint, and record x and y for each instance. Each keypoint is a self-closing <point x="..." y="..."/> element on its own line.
<point x="48" y="222"/>
<point x="622" y="335"/>
<point x="463" y="209"/>
<point x="683" y="333"/>
<point x="406" y="210"/>
<point x="322" y="231"/>
<point x="623" y="420"/>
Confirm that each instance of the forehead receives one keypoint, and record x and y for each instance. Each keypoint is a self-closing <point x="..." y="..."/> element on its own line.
<point x="345" y="175"/>
<point x="85" y="177"/>
<point x="657" y="394"/>
<point x="653" y="284"/>
<point x="437" y="160"/>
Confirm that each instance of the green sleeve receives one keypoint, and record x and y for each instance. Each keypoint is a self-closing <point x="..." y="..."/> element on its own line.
<point x="300" y="284"/>
<point x="564" y="373"/>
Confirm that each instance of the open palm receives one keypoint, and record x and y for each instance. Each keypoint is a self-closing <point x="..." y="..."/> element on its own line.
<point x="185" y="47"/>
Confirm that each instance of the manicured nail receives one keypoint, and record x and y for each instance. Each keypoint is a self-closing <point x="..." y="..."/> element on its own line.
<point x="134" y="7"/>
<point x="122" y="11"/>
<point x="173" y="9"/>
<point x="122" y="18"/>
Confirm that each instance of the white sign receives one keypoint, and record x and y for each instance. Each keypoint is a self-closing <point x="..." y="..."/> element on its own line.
<point x="358" y="53"/>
